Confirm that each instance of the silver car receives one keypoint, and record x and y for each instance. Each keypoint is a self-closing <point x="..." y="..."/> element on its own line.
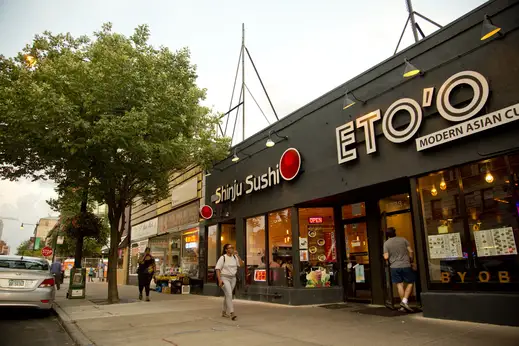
<point x="27" y="282"/>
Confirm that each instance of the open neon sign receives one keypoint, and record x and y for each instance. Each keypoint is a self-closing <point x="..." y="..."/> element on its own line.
<point x="315" y="219"/>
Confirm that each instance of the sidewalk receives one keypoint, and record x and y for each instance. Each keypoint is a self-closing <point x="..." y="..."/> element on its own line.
<point x="182" y="320"/>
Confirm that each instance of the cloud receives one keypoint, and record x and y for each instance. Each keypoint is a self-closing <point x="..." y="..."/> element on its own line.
<point x="24" y="201"/>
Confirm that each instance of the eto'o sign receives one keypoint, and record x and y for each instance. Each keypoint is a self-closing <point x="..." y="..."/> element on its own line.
<point x="460" y="114"/>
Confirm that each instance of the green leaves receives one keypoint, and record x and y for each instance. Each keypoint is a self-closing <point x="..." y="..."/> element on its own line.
<point x="114" y="105"/>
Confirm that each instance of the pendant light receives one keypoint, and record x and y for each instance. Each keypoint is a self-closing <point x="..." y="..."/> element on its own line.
<point x="488" y="29"/>
<point x="348" y="101"/>
<point x="410" y="70"/>
<point x="434" y="192"/>
<point x="270" y="143"/>
<point x="443" y="184"/>
<point x="489" y="178"/>
<point x="235" y="157"/>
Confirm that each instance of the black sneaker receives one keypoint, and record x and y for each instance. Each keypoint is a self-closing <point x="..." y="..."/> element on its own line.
<point x="406" y="307"/>
<point x="140" y="296"/>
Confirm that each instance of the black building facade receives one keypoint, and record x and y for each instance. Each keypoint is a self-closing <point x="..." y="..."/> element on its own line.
<point x="435" y="155"/>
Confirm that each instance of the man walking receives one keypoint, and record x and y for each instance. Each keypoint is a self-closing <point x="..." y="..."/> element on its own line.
<point x="55" y="269"/>
<point x="400" y="256"/>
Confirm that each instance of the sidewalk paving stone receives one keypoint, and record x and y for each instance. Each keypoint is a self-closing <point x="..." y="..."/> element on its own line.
<point x="182" y="320"/>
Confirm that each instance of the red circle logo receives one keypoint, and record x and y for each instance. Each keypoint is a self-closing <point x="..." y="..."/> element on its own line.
<point x="46" y="251"/>
<point x="289" y="164"/>
<point x="206" y="212"/>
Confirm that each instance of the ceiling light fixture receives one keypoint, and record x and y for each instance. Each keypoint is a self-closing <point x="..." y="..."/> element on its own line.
<point x="410" y="70"/>
<point x="488" y="29"/>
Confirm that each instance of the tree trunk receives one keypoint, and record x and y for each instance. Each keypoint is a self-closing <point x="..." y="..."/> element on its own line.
<point x="79" y="252"/>
<point x="80" y="239"/>
<point x="113" y="293"/>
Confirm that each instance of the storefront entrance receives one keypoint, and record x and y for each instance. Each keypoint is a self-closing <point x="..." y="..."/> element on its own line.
<point x="395" y="211"/>
<point x="365" y="274"/>
<point x="356" y="263"/>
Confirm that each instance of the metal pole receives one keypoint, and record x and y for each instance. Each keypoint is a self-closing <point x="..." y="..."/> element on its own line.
<point x="243" y="77"/>
<point x="263" y="86"/>
<point x="413" y="22"/>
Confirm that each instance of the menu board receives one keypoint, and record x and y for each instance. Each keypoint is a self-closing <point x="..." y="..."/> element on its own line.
<point x="495" y="242"/>
<point x="445" y="246"/>
<point x="321" y="244"/>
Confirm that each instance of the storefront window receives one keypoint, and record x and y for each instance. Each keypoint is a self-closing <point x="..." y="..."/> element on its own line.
<point x="317" y="247"/>
<point x="255" y="250"/>
<point x="492" y="221"/>
<point x="227" y="236"/>
<point x="280" y="248"/>
<point x="353" y="211"/>
<point x="483" y="253"/>
<point x="189" y="260"/>
<point x="212" y="252"/>
<point x="447" y="256"/>
<point x="136" y="250"/>
<point x="161" y="251"/>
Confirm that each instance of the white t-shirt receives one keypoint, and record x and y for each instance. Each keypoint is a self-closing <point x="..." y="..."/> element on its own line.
<point x="229" y="267"/>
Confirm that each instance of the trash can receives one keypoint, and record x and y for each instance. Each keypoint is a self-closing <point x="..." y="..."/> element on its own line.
<point x="76" y="288"/>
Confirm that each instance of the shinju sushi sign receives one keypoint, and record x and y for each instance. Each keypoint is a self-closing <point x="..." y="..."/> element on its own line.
<point x="463" y="116"/>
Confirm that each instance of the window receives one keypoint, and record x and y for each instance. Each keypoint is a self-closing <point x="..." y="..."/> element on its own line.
<point x="472" y="239"/>
<point x="137" y="249"/>
<point x="24" y="264"/>
<point x="211" y="252"/>
<point x="280" y="248"/>
<point x="255" y="251"/>
<point x="353" y="211"/>
<point x="443" y="225"/>
<point x="317" y="247"/>
<point x="227" y="236"/>
<point x="189" y="253"/>
<point x="160" y="249"/>
<point x="492" y="221"/>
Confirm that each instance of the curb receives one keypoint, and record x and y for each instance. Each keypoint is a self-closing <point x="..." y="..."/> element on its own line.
<point x="75" y="333"/>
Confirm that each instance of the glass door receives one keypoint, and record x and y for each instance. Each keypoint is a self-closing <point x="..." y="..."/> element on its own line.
<point x="388" y="286"/>
<point x="357" y="268"/>
<point x="357" y="274"/>
<point x="396" y="213"/>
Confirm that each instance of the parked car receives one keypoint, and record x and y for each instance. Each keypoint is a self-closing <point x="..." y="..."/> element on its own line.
<point x="26" y="282"/>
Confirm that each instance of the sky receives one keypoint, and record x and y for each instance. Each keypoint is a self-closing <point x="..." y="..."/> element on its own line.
<point x="301" y="48"/>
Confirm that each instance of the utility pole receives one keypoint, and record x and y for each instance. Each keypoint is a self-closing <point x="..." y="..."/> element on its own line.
<point x="243" y="77"/>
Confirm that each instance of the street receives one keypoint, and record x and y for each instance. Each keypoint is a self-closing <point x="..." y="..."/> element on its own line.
<point x="28" y="327"/>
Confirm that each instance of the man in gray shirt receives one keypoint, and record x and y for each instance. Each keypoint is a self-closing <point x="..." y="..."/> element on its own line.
<point x="400" y="256"/>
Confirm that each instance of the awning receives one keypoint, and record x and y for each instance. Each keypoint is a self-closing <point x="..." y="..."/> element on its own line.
<point x="124" y="243"/>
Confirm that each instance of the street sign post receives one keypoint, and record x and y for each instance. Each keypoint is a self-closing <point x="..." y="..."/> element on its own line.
<point x="46" y="251"/>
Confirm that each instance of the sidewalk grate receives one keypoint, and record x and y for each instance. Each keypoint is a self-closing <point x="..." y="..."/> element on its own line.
<point x="335" y="306"/>
<point x="384" y="312"/>
<point x="105" y="301"/>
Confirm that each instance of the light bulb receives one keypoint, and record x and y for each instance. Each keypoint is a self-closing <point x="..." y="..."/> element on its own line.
<point x="489" y="178"/>
<point x="434" y="192"/>
<point x="443" y="184"/>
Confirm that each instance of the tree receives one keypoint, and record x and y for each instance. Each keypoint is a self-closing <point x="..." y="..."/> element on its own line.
<point x="68" y="204"/>
<point x="26" y="249"/>
<point x="113" y="116"/>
